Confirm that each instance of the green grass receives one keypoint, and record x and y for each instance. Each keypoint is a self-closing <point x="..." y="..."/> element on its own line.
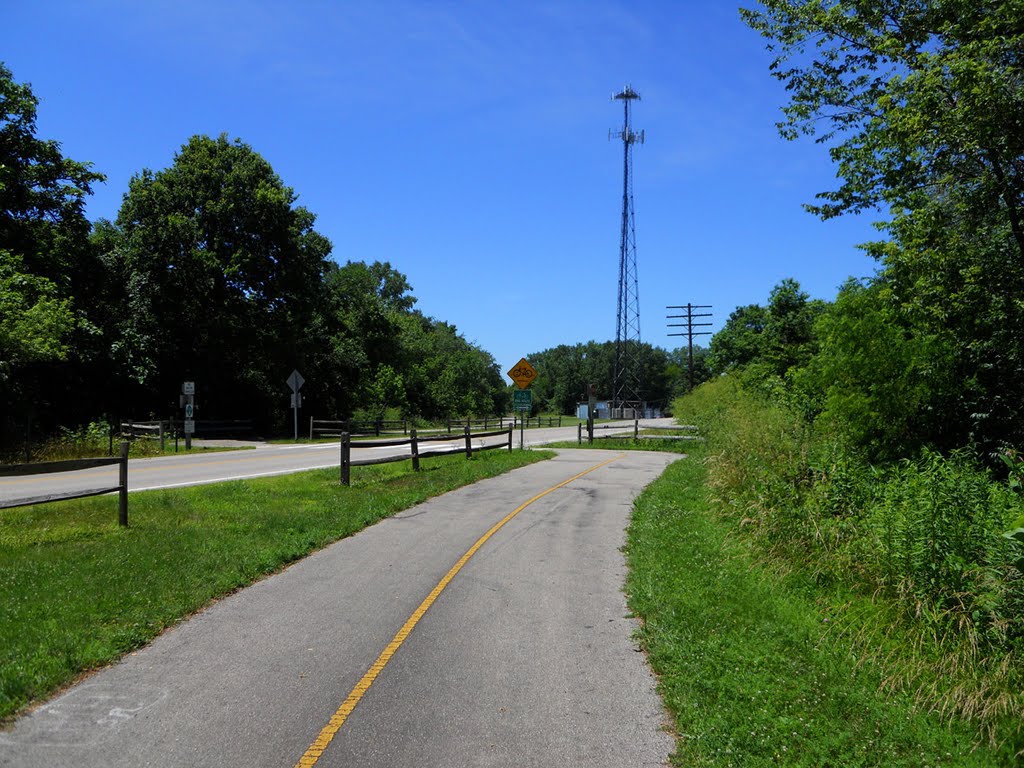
<point x="76" y="592"/>
<point x="749" y="663"/>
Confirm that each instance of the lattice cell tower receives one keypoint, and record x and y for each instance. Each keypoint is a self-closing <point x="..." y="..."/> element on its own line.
<point x="627" y="385"/>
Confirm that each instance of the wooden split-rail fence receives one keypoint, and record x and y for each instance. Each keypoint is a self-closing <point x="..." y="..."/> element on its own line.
<point x="416" y="452"/>
<point x="71" y="465"/>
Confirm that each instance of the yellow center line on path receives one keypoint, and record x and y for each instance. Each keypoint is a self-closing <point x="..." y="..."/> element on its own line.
<point x="317" y="748"/>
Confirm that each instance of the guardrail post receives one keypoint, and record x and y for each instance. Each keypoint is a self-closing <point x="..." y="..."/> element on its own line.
<point x="415" y="450"/>
<point x="310" y="427"/>
<point x="636" y="429"/>
<point x="122" y="506"/>
<point x="510" y="438"/>
<point x="346" y="453"/>
<point x="469" y="443"/>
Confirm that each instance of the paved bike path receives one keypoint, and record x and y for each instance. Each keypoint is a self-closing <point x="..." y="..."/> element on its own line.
<point x="524" y="659"/>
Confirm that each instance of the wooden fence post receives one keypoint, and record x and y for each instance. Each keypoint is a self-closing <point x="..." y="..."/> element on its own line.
<point x="415" y="450"/>
<point x="469" y="444"/>
<point x="636" y="429"/>
<point x="346" y="453"/>
<point x="579" y="433"/>
<point x="510" y="438"/>
<point x="122" y="506"/>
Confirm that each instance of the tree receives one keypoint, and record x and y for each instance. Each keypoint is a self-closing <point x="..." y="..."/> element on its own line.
<point x="566" y="372"/>
<point x="678" y="369"/>
<point x="884" y="389"/>
<point x="224" y="279"/>
<point x="48" y="272"/>
<point x="42" y="193"/>
<point x="922" y="104"/>
<point x="34" y="322"/>
<point x="919" y="99"/>
<point x="788" y="337"/>
<point x="445" y="375"/>
<point x="740" y="341"/>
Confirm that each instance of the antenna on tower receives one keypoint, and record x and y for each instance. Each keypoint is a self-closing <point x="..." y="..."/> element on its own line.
<point x="627" y="385"/>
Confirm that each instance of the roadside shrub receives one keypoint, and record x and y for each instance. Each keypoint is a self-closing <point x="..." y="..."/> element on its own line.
<point x="81" y="442"/>
<point x="939" y="524"/>
<point x="927" y="539"/>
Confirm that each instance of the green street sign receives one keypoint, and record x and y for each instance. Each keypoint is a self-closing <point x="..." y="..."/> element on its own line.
<point x="522" y="400"/>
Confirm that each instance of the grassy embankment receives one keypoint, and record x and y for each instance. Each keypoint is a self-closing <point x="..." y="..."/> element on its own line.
<point x="778" y="586"/>
<point x="76" y="592"/>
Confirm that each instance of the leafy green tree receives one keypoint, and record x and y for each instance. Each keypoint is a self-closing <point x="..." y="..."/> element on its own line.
<point x="224" y="281"/>
<point x="917" y="99"/>
<point x="42" y="194"/>
<point x="880" y="387"/>
<point x="788" y="338"/>
<point x="386" y="390"/>
<point x="34" y="323"/>
<point x="565" y="373"/>
<point x="678" y="370"/>
<point x="367" y="303"/>
<point x="740" y="341"/>
<point x="445" y="375"/>
<point x="50" y="275"/>
<point x="921" y="104"/>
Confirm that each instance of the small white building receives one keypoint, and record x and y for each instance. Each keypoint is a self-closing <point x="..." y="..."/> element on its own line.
<point x="602" y="410"/>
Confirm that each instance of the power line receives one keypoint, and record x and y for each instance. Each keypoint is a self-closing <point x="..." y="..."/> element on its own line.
<point x="689" y="325"/>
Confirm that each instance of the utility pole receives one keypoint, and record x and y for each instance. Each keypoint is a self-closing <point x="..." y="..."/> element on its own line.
<point x="626" y="387"/>
<point x="690" y="333"/>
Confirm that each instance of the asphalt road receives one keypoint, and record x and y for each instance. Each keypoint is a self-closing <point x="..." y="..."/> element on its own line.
<point x="524" y="658"/>
<point x="263" y="460"/>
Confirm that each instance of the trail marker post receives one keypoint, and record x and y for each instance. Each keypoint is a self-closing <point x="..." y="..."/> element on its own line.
<point x="295" y="382"/>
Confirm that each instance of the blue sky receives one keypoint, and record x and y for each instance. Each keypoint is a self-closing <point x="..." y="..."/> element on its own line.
<point x="467" y="144"/>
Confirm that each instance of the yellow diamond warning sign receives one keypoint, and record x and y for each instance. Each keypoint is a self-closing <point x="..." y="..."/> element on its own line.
<point x="523" y="373"/>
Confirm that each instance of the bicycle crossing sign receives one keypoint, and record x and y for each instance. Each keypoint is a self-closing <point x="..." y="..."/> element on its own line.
<point x="522" y="373"/>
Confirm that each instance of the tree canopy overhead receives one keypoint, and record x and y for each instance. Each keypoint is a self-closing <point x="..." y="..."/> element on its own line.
<point x="921" y="103"/>
<point x="919" y="99"/>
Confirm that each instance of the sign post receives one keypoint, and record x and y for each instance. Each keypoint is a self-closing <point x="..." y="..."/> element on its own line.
<point x="591" y="403"/>
<point x="295" y="382"/>
<point x="523" y="374"/>
<point x="188" y="402"/>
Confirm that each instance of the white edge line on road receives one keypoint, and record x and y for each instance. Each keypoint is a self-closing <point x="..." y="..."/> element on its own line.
<point x="229" y="479"/>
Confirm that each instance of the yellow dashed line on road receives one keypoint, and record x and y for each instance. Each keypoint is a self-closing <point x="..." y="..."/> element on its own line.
<point x="317" y="748"/>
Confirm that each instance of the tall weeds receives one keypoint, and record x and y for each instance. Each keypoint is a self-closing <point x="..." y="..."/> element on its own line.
<point x="923" y="540"/>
